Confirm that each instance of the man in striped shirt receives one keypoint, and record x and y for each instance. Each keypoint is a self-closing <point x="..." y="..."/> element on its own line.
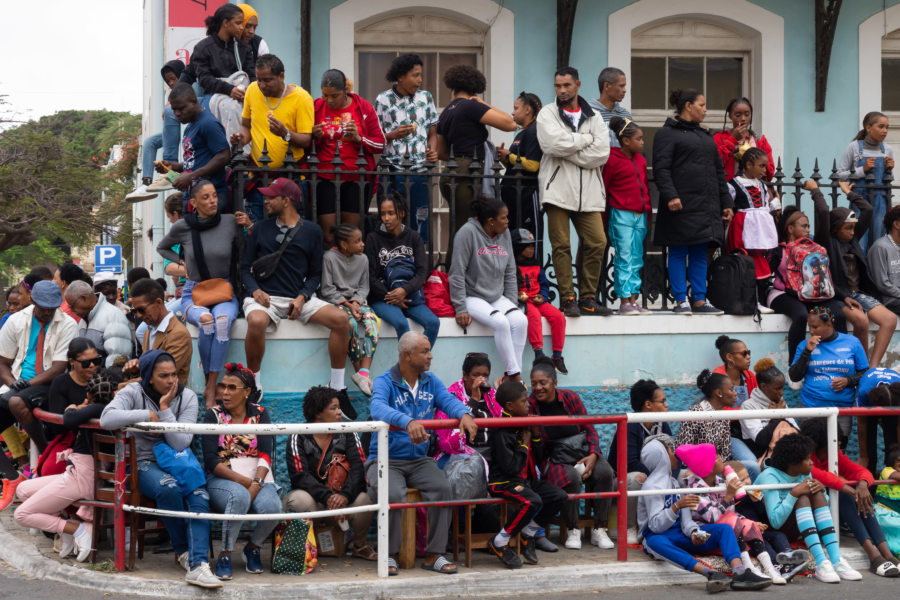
<point x="612" y="90"/>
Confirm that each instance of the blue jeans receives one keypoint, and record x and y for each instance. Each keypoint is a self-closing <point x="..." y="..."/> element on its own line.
<point x="740" y="451"/>
<point x="420" y="313"/>
<point x="626" y="233"/>
<point x="864" y="527"/>
<point x="168" y="140"/>
<point x="417" y="201"/>
<point x="693" y="260"/>
<point x="186" y="534"/>
<point x="672" y="545"/>
<point x="212" y="341"/>
<point x="231" y="498"/>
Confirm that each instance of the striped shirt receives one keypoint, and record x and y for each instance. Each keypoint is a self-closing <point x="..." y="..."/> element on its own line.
<point x="616" y="111"/>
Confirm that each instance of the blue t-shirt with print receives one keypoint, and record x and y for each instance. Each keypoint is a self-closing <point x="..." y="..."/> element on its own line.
<point x="872" y="379"/>
<point x="841" y="357"/>
<point x="203" y="139"/>
<point x="28" y="365"/>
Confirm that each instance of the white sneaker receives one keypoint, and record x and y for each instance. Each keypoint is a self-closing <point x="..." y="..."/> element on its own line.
<point x="363" y="383"/>
<point x="83" y="542"/>
<point x="764" y="310"/>
<point x="776" y="576"/>
<point x="846" y="572"/>
<point x="66" y="544"/>
<point x="160" y="184"/>
<point x="573" y="540"/>
<point x="825" y="572"/>
<point x="201" y="576"/>
<point x="600" y="538"/>
<point x="634" y="537"/>
<point x="140" y="195"/>
<point x="758" y="572"/>
<point x="184" y="560"/>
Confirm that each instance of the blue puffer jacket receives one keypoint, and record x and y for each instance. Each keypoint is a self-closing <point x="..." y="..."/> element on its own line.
<point x="393" y="402"/>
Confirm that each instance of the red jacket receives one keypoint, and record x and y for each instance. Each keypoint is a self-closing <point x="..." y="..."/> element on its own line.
<point x="847" y="471"/>
<point x="749" y="378"/>
<point x="625" y="180"/>
<point x="725" y="143"/>
<point x="363" y="113"/>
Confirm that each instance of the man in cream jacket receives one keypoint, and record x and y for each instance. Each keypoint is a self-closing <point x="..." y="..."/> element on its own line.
<point x="575" y="141"/>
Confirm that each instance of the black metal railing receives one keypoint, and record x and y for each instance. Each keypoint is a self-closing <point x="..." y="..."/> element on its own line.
<point x="444" y="183"/>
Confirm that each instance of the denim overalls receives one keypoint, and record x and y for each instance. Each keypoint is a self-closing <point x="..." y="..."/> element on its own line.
<point x="878" y="198"/>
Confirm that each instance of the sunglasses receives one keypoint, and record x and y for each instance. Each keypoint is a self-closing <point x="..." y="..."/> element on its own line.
<point x="744" y="353"/>
<point x="96" y="361"/>
<point x="231" y="387"/>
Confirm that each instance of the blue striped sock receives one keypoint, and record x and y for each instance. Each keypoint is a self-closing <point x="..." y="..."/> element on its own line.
<point x="827" y="533"/>
<point x="807" y="526"/>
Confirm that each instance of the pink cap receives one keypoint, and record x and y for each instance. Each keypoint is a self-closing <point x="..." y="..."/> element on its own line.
<point x="699" y="458"/>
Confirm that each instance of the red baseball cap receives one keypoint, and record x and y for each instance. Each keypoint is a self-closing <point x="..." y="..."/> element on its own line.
<point x="283" y="187"/>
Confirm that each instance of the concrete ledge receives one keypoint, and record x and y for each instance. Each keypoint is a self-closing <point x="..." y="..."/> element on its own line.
<point x="21" y="554"/>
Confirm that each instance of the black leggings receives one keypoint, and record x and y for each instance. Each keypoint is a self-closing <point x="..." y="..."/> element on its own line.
<point x="797" y="311"/>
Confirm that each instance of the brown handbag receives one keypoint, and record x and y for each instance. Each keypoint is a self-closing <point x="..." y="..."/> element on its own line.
<point x="336" y="471"/>
<point x="211" y="292"/>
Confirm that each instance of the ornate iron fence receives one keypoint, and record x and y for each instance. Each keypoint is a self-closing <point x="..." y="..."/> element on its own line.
<point x="444" y="184"/>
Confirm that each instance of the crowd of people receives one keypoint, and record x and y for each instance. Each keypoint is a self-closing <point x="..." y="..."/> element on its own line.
<point x="69" y="345"/>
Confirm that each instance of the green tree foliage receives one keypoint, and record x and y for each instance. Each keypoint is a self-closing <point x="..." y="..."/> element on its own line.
<point x="53" y="184"/>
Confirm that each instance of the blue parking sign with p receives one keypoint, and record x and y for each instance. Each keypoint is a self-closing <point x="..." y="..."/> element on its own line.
<point x="108" y="258"/>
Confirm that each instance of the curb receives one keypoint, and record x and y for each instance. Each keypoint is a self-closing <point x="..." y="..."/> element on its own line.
<point x="23" y="556"/>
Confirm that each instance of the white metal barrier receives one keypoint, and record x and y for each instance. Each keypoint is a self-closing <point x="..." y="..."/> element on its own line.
<point x="831" y="414"/>
<point x="381" y="503"/>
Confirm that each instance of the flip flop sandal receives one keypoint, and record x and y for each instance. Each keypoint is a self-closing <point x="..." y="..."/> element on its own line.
<point x="393" y="568"/>
<point x="366" y="553"/>
<point x="439" y="564"/>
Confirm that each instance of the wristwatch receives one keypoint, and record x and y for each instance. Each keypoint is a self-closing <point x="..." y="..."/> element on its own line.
<point x="258" y="481"/>
<point x="287" y="136"/>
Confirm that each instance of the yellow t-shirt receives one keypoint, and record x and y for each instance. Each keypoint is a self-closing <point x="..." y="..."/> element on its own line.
<point x="295" y="111"/>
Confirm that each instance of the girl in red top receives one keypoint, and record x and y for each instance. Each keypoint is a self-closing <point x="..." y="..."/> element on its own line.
<point x="736" y="367"/>
<point x="732" y="144"/>
<point x="628" y="197"/>
<point x="344" y="121"/>
<point x="856" y="506"/>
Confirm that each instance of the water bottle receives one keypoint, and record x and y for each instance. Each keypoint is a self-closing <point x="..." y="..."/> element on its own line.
<point x="731" y="475"/>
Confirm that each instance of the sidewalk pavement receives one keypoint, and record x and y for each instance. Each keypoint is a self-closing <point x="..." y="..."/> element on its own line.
<point x="348" y="578"/>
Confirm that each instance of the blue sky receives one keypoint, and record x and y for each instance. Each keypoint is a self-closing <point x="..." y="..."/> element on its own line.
<point x="61" y="54"/>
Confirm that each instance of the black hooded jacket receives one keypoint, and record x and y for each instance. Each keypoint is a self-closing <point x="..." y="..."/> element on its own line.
<point x="686" y="165"/>
<point x="381" y="247"/>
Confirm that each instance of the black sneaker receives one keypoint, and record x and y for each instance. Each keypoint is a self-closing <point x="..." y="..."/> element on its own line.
<point x="706" y="309"/>
<point x="589" y="306"/>
<point x="528" y="545"/>
<point x="560" y="365"/>
<point x="749" y="581"/>
<point x="346" y="406"/>
<point x="506" y="555"/>
<point x="545" y="545"/>
<point x="570" y="307"/>
<point x="716" y="582"/>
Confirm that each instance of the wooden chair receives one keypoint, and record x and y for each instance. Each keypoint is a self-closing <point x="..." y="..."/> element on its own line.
<point x="407" y="557"/>
<point x="104" y="489"/>
<point x="476" y="540"/>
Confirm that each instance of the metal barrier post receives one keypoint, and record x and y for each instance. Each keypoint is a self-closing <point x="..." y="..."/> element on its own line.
<point x="833" y="460"/>
<point x="383" y="500"/>
<point x="622" y="501"/>
<point x="118" y="512"/>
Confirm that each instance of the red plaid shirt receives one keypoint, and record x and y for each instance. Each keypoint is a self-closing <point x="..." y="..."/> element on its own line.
<point x="554" y="473"/>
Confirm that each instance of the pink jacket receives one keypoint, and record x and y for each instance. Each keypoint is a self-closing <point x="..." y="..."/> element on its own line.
<point x="449" y="441"/>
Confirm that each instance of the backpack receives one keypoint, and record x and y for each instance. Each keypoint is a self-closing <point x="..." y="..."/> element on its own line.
<point x="732" y="284"/>
<point x="398" y="272"/>
<point x="437" y="294"/>
<point x="807" y="270"/>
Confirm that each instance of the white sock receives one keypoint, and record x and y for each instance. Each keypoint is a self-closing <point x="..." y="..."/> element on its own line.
<point x="80" y="529"/>
<point x="745" y="558"/>
<point x="257" y="378"/>
<point x="337" y="379"/>
<point x="531" y="528"/>
<point x="765" y="562"/>
<point x="501" y="539"/>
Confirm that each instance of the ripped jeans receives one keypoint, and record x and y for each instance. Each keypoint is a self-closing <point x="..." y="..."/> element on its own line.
<point x="186" y="534"/>
<point x="213" y="338"/>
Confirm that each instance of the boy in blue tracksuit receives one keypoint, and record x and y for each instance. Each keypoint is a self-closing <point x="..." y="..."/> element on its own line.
<point x="407" y="393"/>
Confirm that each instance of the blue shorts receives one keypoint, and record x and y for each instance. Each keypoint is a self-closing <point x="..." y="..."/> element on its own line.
<point x="867" y="302"/>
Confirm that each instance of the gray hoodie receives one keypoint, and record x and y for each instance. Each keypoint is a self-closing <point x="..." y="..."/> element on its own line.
<point x="655" y="512"/>
<point x="884" y="269"/>
<point x="344" y="277"/>
<point x="482" y="267"/>
<point x="131" y="405"/>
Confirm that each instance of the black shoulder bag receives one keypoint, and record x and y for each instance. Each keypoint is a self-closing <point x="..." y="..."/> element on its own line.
<point x="265" y="266"/>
